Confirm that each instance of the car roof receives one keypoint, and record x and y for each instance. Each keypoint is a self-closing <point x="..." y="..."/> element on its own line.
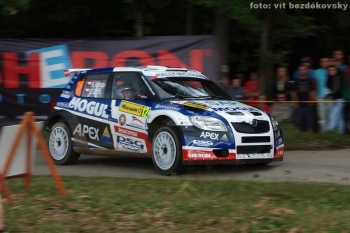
<point x="151" y="72"/>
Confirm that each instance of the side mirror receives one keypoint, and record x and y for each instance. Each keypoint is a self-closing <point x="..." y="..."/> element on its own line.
<point x="141" y="97"/>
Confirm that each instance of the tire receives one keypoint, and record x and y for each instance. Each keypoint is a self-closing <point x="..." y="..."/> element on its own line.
<point x="60" y="145"/>
<point x="167" y="151"/>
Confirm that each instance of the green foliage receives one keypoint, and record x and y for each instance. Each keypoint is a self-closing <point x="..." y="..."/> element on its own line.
<point x="12" y="7"/>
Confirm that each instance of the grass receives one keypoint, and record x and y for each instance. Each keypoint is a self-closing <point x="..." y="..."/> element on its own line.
<point x="130" y="205"/>
<point x="297" y="140"/>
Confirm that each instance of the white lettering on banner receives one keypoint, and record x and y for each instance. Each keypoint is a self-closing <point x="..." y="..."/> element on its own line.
<point x="90" y="131"/>
<point x="212" y="136"/>
<point x="202" y="143"/>
<point x="92" y="107"/>
<point x="199" y="155"/>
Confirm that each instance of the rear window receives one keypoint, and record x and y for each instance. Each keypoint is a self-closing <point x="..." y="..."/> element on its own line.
<point x="92" y="85"/>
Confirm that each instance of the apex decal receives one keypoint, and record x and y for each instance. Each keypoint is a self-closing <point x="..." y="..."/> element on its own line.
<point x="92" y="107"/>
<point x="212" y="136"/>
<point x="91" y="132"/>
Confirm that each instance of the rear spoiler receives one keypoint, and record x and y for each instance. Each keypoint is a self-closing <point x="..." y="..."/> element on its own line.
<point x="72" y="71"/>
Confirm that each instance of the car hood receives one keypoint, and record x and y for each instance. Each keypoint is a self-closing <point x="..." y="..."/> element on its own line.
<point x="233" y="111"/>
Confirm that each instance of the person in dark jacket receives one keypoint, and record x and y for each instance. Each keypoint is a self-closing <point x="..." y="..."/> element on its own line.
<point x="303" y="93"/>
<point x="335" y="82"/>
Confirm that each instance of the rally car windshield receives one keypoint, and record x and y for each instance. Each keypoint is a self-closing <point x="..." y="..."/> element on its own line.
<point x="188" y="88"/>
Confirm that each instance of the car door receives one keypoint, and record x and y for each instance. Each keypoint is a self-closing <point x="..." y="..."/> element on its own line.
<point x="127" y="114"/>
<point x="90" y="109"/>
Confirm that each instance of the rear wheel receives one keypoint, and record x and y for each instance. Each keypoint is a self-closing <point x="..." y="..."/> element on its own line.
<point x="60" y="145"/>
<point x="167" y="151"/>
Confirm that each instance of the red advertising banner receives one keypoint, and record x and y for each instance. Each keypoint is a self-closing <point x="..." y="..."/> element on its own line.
<point x="32" y="70"/>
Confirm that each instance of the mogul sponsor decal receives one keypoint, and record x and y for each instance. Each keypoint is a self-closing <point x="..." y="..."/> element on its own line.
<point x="135" y="109"/>
<point x="122" y="119"/>
<point x="91" y="107"/>
<point x="83" y="130"/>
<point x="199" y="155"/>
<point x="126" y="131"/>
<point x="130" y="144"/>
<point x="202" y="143"/>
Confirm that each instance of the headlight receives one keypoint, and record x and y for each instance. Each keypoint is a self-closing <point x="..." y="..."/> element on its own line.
<point x="274" y="124"/>
<point x="208" y="123"/>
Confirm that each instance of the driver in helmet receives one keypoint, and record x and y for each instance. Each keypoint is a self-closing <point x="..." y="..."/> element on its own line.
<point x="125" y="91"/>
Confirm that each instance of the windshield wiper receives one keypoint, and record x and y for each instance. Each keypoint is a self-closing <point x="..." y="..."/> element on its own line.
<point x="180" y="97"/>
<point x="214" y="97"/>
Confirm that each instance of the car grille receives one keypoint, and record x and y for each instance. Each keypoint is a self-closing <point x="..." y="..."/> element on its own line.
<point x="242" y="127"/>
<point x="256" y="139"/>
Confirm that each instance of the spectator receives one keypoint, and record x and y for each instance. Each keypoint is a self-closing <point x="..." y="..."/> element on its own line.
<point x="262" y="104"/>
<point x="305" y="61"/>
<point x="346" y="95"/>
<point x="338" y="56"/>
<point x="335" y="82"/>
<point x="304" y="90"/>
<point x="252" y="87"/>
<point x="240" y="76"/>
<point x="281" y="84"/>
<point x="282" y="110"/>
<point x="323" y="107"/>
<point x="224" y="83"/>
<point x="236" y="91"/>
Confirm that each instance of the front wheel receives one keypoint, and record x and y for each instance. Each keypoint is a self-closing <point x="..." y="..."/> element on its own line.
<point x="167" y="151"/>
<point x="60" y="145"/>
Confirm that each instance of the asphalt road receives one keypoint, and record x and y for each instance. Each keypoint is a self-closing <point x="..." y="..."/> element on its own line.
<point x="298" y="166"/>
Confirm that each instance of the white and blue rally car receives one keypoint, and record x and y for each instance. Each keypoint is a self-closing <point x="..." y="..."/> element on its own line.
<point x="175" y="116"/>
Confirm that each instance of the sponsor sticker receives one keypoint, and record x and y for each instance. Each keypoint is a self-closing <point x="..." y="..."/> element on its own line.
<point x="137" y="122"/>
<point x="196" y="105"/>
<point x="134" y="109"/>
<point x="212" y="136"/>
<point x="83" y="130"/>
<point x="122" y="119"/>
<point x="254" y="156"/>
<point x="202" y="143"/>
<point x="130" y="144"/>
<point x="199" y="155"/>
<point x="126" y="131"/>
<point x="167" y="107"/>
<point x="91" y="107"/>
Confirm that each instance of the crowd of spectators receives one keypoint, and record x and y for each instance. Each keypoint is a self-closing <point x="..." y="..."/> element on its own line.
<point x="312" y="99"/>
